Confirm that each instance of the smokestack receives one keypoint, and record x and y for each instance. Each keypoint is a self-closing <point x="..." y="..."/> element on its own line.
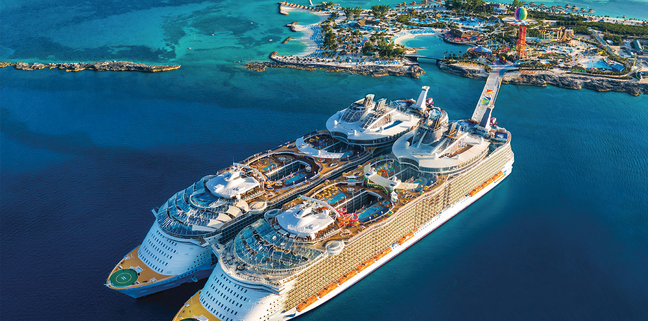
<point x="368" y="100"/>
<point x="420" y="102"/>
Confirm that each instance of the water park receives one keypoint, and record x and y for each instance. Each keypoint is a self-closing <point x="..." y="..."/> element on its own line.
<point x="533" y="38"/>
<point x="357" y="201"/>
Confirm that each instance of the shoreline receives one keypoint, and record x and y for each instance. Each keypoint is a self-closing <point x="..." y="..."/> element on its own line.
<point x="93" y="66"/>
<point x="414" y="71"/>
<point x="311" y="46"/>
<point x="410" y="35"/>
<point x="541" y="78"/>
<point x="352" y="62"/>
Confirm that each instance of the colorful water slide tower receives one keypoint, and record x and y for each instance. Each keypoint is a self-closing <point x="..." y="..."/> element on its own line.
<point x="521" y="15"/>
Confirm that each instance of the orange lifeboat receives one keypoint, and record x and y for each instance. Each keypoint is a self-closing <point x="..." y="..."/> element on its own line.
<point x="306" y="303"/>
<point x="405" y="238"/>
<point x="382" y="254"/>
<point x="364" y="265"/>
<point x="327" y="289"/>
<point x="347" y="276"/>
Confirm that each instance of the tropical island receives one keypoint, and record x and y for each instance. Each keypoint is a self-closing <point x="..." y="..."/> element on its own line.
<point x="562" y="46"/>
<point x="96" y="66"/>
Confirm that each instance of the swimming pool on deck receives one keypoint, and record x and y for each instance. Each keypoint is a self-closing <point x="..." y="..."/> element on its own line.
<point x="369" y="212"/>
<point x="294" y="179"/>
<point x="338" y="197"/>
<point x="269" y="167"/>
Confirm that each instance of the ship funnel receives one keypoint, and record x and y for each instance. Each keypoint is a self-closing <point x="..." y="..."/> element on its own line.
<point x="381" y="103"/>
<point x="368" y="100"/>
<point x="420" y="102"/>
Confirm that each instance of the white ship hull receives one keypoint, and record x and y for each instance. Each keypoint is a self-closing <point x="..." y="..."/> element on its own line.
<point x="230" y="299"/>
<point x="426" y="229"/>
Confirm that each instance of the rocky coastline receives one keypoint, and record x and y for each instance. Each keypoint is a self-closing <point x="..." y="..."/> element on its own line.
<point x="413" y="71"/>
<point x="544" y="78"/>
<point x="95" y="66"/>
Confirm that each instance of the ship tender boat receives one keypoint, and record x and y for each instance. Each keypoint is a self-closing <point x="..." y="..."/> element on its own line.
<point x="178" y="247"/>
<point x="299" y="256"/>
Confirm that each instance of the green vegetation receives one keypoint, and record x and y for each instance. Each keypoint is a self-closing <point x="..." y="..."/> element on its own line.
<point x="580" y="26"/>
<point x="382" y="49"/>
<point x="389" y="50"/>
<point x="330" y="41"/>
<point x="368" y="48"/>
<point x="403" y="18"/>
<point x="350" y="12"/>
<point x="469" y="6"/>
<point x="616" y="40"/>
<point x="327" y="5"/>
<point x="379" y="11"/>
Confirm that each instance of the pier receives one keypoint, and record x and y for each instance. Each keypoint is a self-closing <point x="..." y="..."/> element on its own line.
<point x="486" y="101"/>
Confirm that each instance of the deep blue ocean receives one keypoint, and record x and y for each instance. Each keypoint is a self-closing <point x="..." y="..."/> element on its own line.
<point x="85" y="156"/>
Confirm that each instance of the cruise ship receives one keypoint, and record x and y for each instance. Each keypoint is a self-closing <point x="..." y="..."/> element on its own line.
<point x="314" y="247"/>
<point x="177" y="248"/>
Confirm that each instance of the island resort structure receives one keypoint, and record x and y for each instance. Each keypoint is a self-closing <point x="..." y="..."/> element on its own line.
<point x="547" y="45"/>
<point x="177" y="249"/>
<point x="311" y="249"/>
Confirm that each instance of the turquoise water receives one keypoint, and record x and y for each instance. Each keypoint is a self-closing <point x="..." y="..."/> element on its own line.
<point x="85" y="156"/>
<point x="338" y="197"/>
<point x="637" y="9"/>
<point x="362" y="216"/>
<point x="294" y="178"/>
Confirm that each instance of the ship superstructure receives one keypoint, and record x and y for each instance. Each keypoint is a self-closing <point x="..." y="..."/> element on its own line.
<point x="373" y="123"/>
<point x="177" y="248"/>
<point x="318" y="245"/>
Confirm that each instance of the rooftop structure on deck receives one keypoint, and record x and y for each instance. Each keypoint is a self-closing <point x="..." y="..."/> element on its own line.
<point x="305" y="220"/>
<point x="440" y="147"/>
<point x="369" y="122"/>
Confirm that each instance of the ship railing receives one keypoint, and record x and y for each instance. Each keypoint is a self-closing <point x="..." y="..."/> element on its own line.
<point x="276" y="286"/>
<point x="383" y="159"/>
<point x="316" y="132"/>
<point x="262" y="275"/>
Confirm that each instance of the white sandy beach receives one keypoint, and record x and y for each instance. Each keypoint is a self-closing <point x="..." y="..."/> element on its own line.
<point x="411" y="35"/>
<point x="311" y="46"/>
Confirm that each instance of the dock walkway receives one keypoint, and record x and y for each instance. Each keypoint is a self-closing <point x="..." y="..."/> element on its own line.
<point x="486" y="101"/>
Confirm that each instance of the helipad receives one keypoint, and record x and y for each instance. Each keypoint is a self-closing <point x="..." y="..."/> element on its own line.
<point x="123" y="277"/>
